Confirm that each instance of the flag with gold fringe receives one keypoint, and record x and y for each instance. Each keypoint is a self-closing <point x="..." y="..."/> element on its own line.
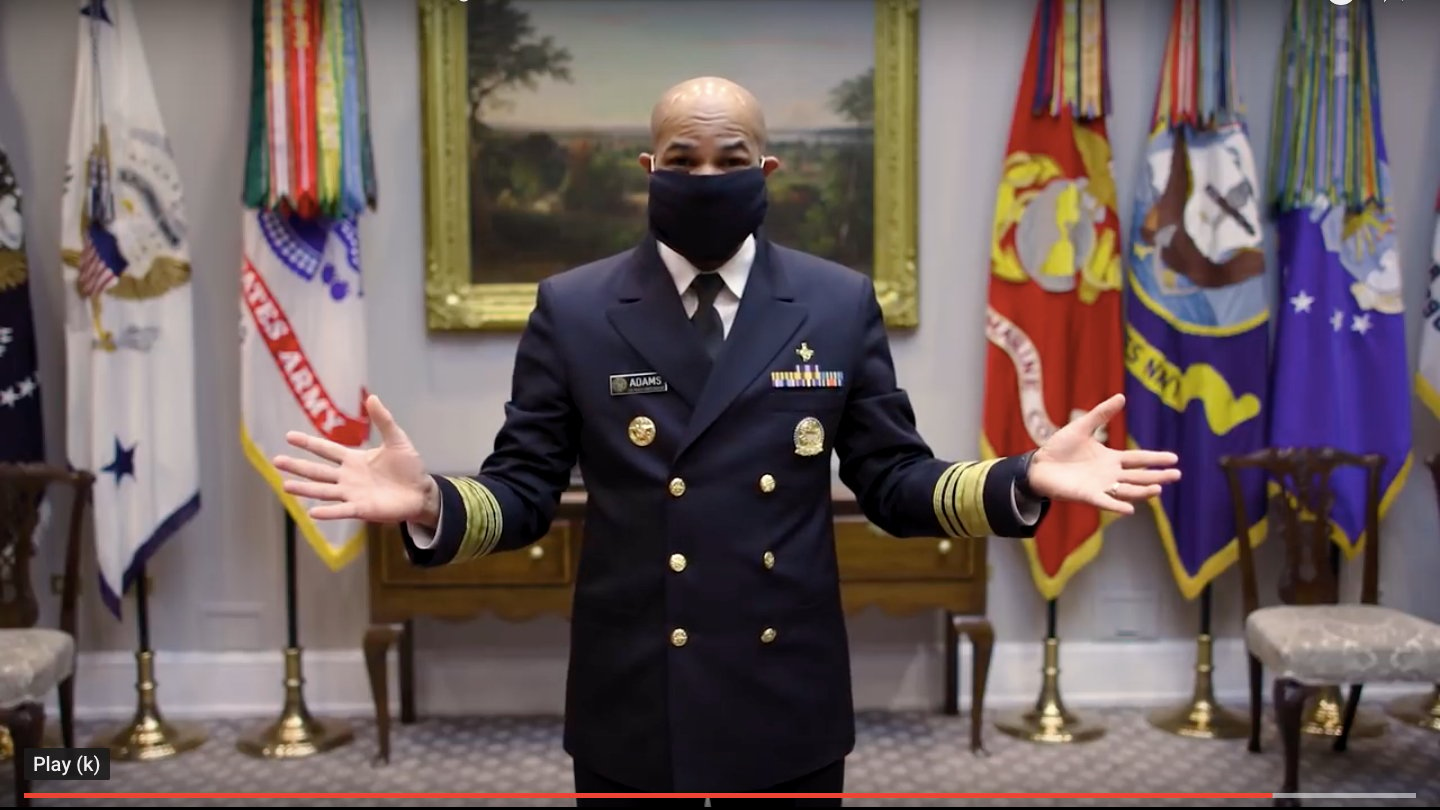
<point x="1053" y="320"/>
<point x="128" y="315"/>
<point x="1427" y="377"/>
<point x="1340" y="375"/>
<point x="308" y="178"/>
<point x="1197" y="313"/>
<point x="22" y="431"/>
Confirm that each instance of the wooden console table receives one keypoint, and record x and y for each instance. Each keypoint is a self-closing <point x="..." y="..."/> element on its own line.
<point x="902" y="577"/>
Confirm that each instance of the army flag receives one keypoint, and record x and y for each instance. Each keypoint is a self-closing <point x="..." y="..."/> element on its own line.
<point x="1427" y="379"/>
<point x="1054" y="321"/>
<point x="302" y="353"/>
<point x="1340" y="375"/>
<point x="1197" y="313"/>
<point x="128" y="336"/>
<point x="308" y="178"/>
<point x="22" y="431"/>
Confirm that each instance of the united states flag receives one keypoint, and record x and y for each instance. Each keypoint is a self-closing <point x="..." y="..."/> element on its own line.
<point x="101" y="262"/>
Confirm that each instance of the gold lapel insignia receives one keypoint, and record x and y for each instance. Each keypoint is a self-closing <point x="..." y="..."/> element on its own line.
<point x="809" y="437"/>
<point x="642" y="431"/>
<point x="805" y="352"/>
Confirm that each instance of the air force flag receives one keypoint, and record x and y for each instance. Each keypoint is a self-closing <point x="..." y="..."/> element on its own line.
<point x="128" y="336"/>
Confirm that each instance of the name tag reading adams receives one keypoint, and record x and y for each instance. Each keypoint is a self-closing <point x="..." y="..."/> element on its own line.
<point x="645" y="382"/>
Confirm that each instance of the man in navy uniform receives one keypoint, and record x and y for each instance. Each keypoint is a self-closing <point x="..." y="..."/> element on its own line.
<point x="702" y="381"/>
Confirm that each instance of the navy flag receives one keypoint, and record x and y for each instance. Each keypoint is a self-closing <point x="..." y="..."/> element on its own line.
<point x="22" y="436"/>
<point x="1197" y="318"/>
<point x="1341" y="378"/>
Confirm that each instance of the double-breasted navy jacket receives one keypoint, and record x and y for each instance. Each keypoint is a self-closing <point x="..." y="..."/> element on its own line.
<point x="709" y="648"/>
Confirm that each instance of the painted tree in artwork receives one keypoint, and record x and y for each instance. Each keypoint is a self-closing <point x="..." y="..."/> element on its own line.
<point x="504" y="53"/>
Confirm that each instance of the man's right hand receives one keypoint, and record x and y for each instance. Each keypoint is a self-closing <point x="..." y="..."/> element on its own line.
<point x="385" y="484"/>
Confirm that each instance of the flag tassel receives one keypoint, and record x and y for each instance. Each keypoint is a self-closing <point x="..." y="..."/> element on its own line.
<point x="148" y="736"/>
<point x="296" y="733"/>
<point x="1050" y="722"/>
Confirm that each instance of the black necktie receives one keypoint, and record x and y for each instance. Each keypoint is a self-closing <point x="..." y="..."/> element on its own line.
<point x="706" y="319"/>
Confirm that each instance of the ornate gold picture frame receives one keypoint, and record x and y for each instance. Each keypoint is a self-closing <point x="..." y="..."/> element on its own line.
<point x="466" y="293"/>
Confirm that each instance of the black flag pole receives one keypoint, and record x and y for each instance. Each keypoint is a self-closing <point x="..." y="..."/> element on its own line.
<point x="148" y="736"/>
<point x="1049" y="721"/>
<point x="1203" y="717"/>
<point x="296" y="733"/>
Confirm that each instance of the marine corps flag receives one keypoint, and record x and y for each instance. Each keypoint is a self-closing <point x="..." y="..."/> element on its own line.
<point x="1197" y="317"/>
<point x="1341" y="378"/>
<point x="308" y="177"/>
<point x="22" y="433"/>
<point x="1427" y="379"/>
<point x="128" y="335"/>
<point x="1054" y="319"/>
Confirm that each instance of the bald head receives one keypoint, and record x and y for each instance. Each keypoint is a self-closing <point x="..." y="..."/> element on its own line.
<point x="708" y="125"/>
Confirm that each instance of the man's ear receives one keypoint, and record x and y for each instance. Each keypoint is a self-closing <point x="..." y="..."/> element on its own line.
<point x="769" y="163"/>
<point x="647" y="162"/>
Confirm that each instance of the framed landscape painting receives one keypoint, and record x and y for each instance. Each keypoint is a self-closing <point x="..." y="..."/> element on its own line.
<point x="535" y="113"/>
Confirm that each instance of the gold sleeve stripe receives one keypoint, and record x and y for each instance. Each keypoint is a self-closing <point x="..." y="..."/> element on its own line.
<point x="960" y="499"/>
<point x="482" y="519"/>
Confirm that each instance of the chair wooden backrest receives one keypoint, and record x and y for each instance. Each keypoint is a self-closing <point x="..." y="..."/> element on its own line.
<point x="21" y="488"/>
<point x="1300" y="516"/>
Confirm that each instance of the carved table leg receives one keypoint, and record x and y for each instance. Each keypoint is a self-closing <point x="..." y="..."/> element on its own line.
<point x="378" y="640"/>
<point x="407" y="673"/>
<point x="982" y="640"/>
<point x="27" y="729"/>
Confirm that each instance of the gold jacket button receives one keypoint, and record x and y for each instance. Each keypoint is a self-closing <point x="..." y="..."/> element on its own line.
<point x="677" y="487"/>
<point x="677" y="562"/>
<point x="678" y="637"/>
<point x="767" y="483"/>
<point x="768" y="635"/>
<point x="768" y="559"/>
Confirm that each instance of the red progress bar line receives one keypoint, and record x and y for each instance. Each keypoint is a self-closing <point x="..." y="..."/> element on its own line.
<point x="1267" y="795"/>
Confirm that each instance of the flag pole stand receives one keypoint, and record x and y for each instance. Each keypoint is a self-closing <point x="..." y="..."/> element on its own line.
<point x="148" y="736"/>
<point x="1203" y="717"/>
<point x="296" y="733"/>
<point x="1418" y="710"/>
<point x="1049" y="721"/>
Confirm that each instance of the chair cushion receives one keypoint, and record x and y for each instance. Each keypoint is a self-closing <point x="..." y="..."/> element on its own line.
<point x="33" y="661"/>
<point x="1336" y="644"/>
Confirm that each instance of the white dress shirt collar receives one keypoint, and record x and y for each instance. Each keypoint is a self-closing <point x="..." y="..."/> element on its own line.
<point x="734" y="272"/>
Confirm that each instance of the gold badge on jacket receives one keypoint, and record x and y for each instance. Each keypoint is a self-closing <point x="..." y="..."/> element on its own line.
<point x="809" y="437"/>
<point x="642" y="431"/>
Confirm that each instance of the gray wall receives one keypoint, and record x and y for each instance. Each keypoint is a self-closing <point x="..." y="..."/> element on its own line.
<point x="219" y="583"/>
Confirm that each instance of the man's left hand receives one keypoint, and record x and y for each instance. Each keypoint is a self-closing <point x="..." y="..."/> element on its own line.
<point x="1074" y="466"/>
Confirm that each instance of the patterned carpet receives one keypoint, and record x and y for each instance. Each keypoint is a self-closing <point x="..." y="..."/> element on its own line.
<point x="897" y="752"/>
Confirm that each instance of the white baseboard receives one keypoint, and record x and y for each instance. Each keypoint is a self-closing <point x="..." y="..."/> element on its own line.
<point x="250" y="684"/>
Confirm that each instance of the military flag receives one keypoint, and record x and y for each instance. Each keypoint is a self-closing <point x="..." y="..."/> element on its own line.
<point x="128" y="336"/>
<point x="1427" y="378"/>
<point x="1197" y="314"/>
<point x="308" y="179"/>
<point x="1054" y="315"/>
<point x="1340" y="373"/>
<point x="22" y="431"/>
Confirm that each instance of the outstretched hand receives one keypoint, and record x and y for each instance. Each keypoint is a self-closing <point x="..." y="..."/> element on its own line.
<point x="383" y="484"/>
<point x="1074" y="466"/>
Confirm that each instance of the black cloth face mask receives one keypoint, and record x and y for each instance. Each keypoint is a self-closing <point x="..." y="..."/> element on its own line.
<point x="705" y="217"/>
